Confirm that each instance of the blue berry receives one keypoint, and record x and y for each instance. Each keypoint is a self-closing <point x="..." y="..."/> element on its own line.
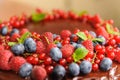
<point x="74" y="44"/>
<point x="92" y="33"/>
<point x="74" y="69"/>
<point x="79" y="46"/>
<point x="30" y="45"/>
<point x="59" y="45"/>
<point x="56" y="54"/>
<point x="58" y="72"/>
<point x="14" y="31"/>
<point x="85" y="67"/>
<point x="25" y="70"/>
<point x="72" y="36"/>
<point x="105" y="64"/>
<point x="18" y="49"/>
<point x="4" y="31"/>
<point x="104" y="40"/>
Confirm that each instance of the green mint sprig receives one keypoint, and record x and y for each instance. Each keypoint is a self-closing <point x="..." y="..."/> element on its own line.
<point x="82" y="35"/>
<point x="79" y="53"/>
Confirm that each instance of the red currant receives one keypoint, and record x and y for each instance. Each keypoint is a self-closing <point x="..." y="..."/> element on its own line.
<point x="111" y="55"/>
<point x="63" y="62"/>
<point x="48" y="61"/>
<point x="95" y="67"/>
<point x="49" y="69"/>
<point x="69" y="59"/>
<point x="112" y="42"/>
<point x="42" y="56"/>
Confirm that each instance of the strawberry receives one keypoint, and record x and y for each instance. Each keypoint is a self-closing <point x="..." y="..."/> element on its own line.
<point x="5" y="56"/>
<point x="102" y="31"/>
<point x="88" y="45"/>
<point x="47" y="38"/>
<point x="16" y="62"/>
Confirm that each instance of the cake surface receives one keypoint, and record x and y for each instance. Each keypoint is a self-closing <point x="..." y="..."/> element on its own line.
<point x="56" y="25"/>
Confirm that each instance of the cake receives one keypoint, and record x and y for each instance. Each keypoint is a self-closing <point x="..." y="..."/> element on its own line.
<point x="59" y="46"/>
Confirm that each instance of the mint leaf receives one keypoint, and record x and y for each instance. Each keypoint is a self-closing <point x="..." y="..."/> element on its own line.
<point x="98" y="39"/>
<point x="36" y="17"/>
<point x="79" y="53"/>
<point x="56" y="41"/>
<point x="23" y="37"/>
<point x="82" y="35"/>
<point x="12" y="43"/>
<point x="82" y="13"/>
<point x="110" y="30"/>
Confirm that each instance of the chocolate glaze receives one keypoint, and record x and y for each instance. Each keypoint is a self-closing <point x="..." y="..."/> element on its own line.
<point x="55" y="27"/>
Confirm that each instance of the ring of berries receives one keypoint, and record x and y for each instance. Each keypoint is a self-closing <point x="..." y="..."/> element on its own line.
<point x="77" y="52"/>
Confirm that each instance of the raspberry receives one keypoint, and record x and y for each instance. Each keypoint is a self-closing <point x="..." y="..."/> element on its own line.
<point x="67" y="50"/>
<point x="102" y="31"/>
<point x="1" y="47"/>
<point x="88" y="45"/>
<point x="24" y="30"/>
<point x="50" y="46"/>
<point x="65" y="33"/>
<point x="47" y="38"/>
<point x="40" y="47"/>
<point x="16" y="62"/>
<point x="5" y="57"/>
<point x="14" y="37"/>
<point x="39" y="73"/>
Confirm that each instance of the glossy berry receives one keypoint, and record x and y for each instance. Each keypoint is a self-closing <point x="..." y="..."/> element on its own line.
<point x="30" y="45"/>
<point x="112" y="42"/>
<point x="47" y="61"/>
<point x="33" y="60"/>
<point x="18" y="49"/>
<point x="42" y="56"/>
<point x="4" y="31"/>
<point x="49" y="69"/>
<point x="58" y="72"/>
<point x="55" y="54"/>
<point x="25" y="70"/>
<point x="14" y="31"/>
<point x="85" y="67"/>
<point x="62" y="62"/>
<point x="95" y="67"/>
<point x="111" y="55"/>
<point x="69" y="59"/>
<point x="74" y="69"/>
<point x="105" y="64"/>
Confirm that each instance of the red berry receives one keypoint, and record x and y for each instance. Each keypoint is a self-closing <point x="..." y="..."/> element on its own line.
<point x="49" y="69"/>
<point x="98" y="47"/>
<point x="117" y="38"/>
<point x="90" y="54"/>
<point x="111" y="55"/>
<point x="76" y="31"/>
<point x="64" y="42"/>
<point x="16" y="62"/>
<point x="69" y="59"/>
<point x="33" y="60"/>
<point x="65" y="33"/>
<point x="95" y="67"/>
<point x="67" y="50"/>
<point x="42" y="56"/>
<point x="62" y="62"/>
<point x="50" y="46"/>
<point x="88" y="44"/>
<point x="40" y="47"/>
<point x="112" y="42"/>
<point x="100" y="56"/>
<point x="97" y="61"/>
<point x="48" y="61"/>
<point x="5" y="57"/>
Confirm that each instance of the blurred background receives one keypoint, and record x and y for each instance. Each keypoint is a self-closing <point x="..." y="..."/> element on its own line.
<point x="108" y="9"/>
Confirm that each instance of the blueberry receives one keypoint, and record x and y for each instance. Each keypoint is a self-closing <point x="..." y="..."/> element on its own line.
<point x="85" y="67"/>
<point x="14" y="31"/>
<point x="74" y="44"/>
<point x="25" y="70"/>
<point x="79" y="46"/>
<point x="18" y="49"/>
<point x="59" y="45"/>
<point x="79" y="41"/>
<point x="30" y="45"/>
<point x="58" y="72"/>
<point x="72" y="36"/>
<point x="92" y="33"/>
<point x="4" y="31"/>
<point x="74" y="69"/>
<point x="105" y="64"/>
<point x="104" y="40"/>
<point x="56" y="54"/>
